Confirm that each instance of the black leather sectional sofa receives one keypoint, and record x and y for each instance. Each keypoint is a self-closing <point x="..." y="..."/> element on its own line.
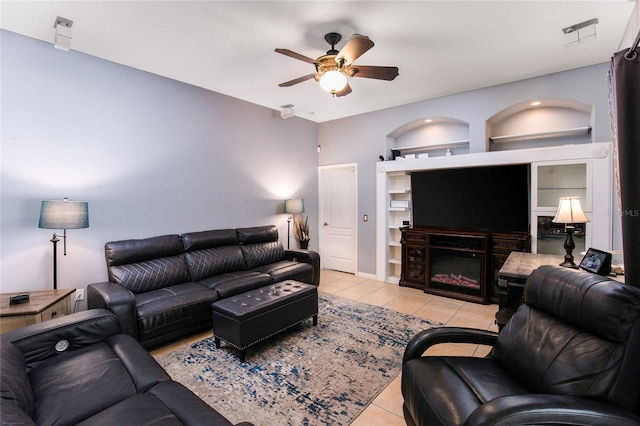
<point x="80" y="370"/>
<point x="162" y="288"/>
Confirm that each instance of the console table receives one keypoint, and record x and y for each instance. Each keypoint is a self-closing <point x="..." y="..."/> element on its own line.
<point x="42" y="306"/>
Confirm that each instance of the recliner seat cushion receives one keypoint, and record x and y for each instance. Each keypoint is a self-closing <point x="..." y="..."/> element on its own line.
<point x="287" y="270"/>
<point x="12" y="415"/>
<point x="173" y="308"/>
<point x="141" y="409"/>
<point x="230" y="284"/>
<point x="429" y="382"/>
<point x="167" y="403"/>
<point x="70" y="377"/>
<point x="15" y="388"/>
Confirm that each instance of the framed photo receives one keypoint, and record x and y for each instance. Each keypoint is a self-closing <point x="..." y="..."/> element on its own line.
<point x="596" y="261"/>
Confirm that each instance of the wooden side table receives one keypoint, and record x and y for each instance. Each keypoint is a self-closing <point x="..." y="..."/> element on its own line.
<point x="514" y="273"/>
<point x="42" y="306"/>
<point x="512" y="277"/>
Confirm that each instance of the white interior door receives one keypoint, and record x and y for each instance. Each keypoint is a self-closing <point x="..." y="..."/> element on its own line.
<point x="338" y="210"/>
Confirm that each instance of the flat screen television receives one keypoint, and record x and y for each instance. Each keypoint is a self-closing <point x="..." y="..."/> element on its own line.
<point x="492" y="198"/>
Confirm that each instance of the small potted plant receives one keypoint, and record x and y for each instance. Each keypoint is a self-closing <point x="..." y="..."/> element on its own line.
<point x="301" y="231"/>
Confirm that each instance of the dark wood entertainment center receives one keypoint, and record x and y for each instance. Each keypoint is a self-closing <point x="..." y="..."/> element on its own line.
<point x="456" y="263"/>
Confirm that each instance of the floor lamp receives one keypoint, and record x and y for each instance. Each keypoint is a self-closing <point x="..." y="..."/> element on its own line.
<point x="569" y="212"/>
<point x="63" y="215"/>
<point x="292" y="206"/>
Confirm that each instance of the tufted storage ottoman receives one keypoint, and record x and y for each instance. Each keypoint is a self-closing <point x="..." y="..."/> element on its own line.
<point x="247" y="318"/>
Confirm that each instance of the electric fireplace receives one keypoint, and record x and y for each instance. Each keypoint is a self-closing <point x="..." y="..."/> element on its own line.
<point x="457" y="264"/>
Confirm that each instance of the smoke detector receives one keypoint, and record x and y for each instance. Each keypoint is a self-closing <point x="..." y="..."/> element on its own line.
<point x="287" y="111"/>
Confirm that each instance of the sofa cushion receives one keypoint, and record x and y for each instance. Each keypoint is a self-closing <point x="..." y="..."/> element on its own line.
<point x="230" y="284"/>
<point x="141" y="409"/>
<point x="12" y="415"/>
<point x="193" y="241"/>
<point x="151" y="275"/>
<point x="178" y="307"/>
<point x="262" y="254"/>
<point x="70" y="377"/>
<point x="15" y="388"/>
<point x="147" y="264"/>
<point x="190" y="409"/>
<point x="287" y="270"/>
<point x="134" y="251"/>
<point x="168" y="403"/>
<point x="257" y="234"/>
<point x="214" y="261"/>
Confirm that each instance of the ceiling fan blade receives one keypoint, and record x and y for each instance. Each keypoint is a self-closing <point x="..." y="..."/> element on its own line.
<point x="345" y="91"/>
<point x="297" y="80"/>
<point x="365" y="71"/>
<point x="295" y="55"/>
<point x="355" y="47"/>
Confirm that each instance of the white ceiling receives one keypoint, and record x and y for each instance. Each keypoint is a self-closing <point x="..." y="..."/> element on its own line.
<point x="440" y="47"/>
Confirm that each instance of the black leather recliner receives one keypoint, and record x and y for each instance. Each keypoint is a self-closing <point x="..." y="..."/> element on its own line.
<point x="570" y="355"/>
<point x="80" y="370"/>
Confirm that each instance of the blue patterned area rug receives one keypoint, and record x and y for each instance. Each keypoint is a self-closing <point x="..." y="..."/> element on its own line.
<point x="322" y="375"/>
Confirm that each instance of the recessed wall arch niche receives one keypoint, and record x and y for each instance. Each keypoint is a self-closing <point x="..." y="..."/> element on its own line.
<point x="428" y="137"/>
<point x="539" y="123"/>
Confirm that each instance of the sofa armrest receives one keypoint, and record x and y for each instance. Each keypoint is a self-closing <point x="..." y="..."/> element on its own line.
<point x="306" y="256"/>
<point x="545" y="409"/>
<point x="433" y="336"/>
<point x="40" y="341"/>
<point x="117" y="299"/>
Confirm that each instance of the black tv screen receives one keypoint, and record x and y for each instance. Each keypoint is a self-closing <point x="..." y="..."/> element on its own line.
<point x="493" y="198"/>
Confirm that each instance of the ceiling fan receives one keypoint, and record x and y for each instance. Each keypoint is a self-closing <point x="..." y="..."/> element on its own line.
<point x="334" y="68"/>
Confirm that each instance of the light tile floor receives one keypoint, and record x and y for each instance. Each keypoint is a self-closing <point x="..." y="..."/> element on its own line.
<point x="386" y="409"/>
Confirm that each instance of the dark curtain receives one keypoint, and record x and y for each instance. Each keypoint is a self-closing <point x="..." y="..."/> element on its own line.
<point x="625" y="91"/>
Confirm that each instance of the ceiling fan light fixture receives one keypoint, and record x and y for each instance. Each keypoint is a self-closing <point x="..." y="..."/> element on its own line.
<point x="333" y="81"/>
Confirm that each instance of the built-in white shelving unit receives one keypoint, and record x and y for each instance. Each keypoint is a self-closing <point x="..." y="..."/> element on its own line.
<point x="541" y="122"/>
<point x="429" y="137"/>
<point x="398" y="191"/>
<point x="578" y="131"/>
<point x="553" y="136"/>
<point x="440" y="148"/>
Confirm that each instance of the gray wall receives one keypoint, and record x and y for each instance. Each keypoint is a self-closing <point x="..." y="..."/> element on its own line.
<point x="155" y="156"/>
<point x="151" y="155"/>
<point x="361" y="139"/>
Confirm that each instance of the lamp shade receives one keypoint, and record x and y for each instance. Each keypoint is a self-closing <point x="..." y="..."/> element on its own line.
<point x="64" y="214"/>
<point x="570" y="211"/>
<point x="294" y="206"/>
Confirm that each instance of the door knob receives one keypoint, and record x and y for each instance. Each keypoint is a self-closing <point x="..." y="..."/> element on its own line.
<point x="326" y="224"/>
